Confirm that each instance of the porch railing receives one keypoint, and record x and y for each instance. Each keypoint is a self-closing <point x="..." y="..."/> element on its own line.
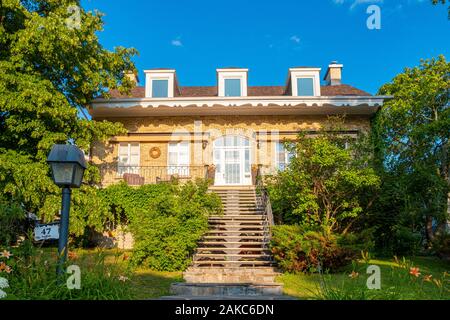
<point x="265" y="204"/>
<point x="140" y="175"/>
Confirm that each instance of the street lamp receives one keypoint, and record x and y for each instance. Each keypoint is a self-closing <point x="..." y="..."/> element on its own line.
<point x="68" y="164"/>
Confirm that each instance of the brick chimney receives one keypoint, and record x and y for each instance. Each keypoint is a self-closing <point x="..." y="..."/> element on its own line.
<point x="333" y="76"/>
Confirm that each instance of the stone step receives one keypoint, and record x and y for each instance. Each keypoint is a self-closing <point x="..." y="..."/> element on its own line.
<point x="237" y="213"/>
<point x="230" y="250"/>
<point x="241" y="264"/>
<point x="223" y="228"/>
<point x="213" y="289"/>
<point x="236" y="222"/>
<point x="233" y="270"/>
<point x="238" y="216"/>
<point x="234" y="237"/>
<point x="229" y="278"/>
<point x="227" y="255"/>
<point x="229" y="243"/>
<point x="236" y="233"/>
<point x="237" y="226"/>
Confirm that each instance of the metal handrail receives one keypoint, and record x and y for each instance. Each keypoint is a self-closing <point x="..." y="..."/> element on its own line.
<point x="265" y="203"/>
<point x="112" y="173"/>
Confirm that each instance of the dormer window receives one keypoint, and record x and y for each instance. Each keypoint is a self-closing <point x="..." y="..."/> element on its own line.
<point x="304" y="82"/>
<point x="160" y="83"/>
<point x="232" y="82"/>
<point x="233" y="87"/>
<point x="305" y="86"/>
<point x="160" y="88"/>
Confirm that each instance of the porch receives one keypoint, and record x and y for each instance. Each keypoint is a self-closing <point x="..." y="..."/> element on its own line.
<point x="142" y="175"/>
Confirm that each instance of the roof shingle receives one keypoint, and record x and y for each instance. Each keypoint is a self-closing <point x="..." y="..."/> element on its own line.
<point x="253" y="91"/>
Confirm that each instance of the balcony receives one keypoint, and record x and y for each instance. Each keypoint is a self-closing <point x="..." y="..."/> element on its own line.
<point x="140" y="175"/>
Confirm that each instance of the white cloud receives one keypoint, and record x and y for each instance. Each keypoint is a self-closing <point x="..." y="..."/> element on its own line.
<point x="358" y="2"/>
<point x="355" y="3"/>
<point x="295" y="38"/>
<point x="176" y="43"/>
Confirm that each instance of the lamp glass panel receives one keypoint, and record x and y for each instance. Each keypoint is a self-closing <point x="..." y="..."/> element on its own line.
<point x="63" y="173"/>
<point x="78" y="175"/>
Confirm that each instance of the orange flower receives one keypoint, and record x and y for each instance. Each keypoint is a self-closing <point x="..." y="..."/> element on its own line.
<point x="72" y="255"/>
<point x="2" y="266"/>
<point x="5" y="254"/>
<point x="414" y="272"/>
<point x="125" y="257"/>
<point x="428" y="278"/>
<point x="354" y="275"/>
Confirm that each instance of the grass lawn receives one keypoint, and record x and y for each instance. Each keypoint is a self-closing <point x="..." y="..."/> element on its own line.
<point x="396" y="281"/>
<point x="144" y="283"/>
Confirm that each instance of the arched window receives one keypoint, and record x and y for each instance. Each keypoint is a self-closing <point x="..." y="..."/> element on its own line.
<point x="232" y="141"/>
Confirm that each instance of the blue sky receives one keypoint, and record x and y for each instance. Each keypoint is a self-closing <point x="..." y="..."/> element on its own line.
<point x="196" y="37"/>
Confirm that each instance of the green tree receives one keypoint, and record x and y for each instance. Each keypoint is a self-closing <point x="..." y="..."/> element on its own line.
<point x="51" y="67"/>
<point x="328" y="184"/>
<point x="413" y="130"/>
<point x="435" y="2"/>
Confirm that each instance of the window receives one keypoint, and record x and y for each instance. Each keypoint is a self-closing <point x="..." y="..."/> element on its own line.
<point x="160" y="88"/>
<point x="305" y="87"/>
<point x="178" y="160"/>
<point x="128" y="158"/>
<point x="232" y="87"/>
<point x="283" y="156"/>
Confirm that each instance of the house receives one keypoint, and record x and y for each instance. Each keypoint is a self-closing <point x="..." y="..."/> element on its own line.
<point x="229" y="132"/>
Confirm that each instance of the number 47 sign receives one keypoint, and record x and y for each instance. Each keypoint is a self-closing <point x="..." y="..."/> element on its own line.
<point x="46" y="231"/>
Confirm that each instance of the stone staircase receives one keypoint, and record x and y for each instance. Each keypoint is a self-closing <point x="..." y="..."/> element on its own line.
<point x="233" y="258"/>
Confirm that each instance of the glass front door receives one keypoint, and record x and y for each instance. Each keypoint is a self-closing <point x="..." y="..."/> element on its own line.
<point x="232" y="162"/>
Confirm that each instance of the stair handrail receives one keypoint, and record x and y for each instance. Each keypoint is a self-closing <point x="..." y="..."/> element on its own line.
<point x="265" y="203"/>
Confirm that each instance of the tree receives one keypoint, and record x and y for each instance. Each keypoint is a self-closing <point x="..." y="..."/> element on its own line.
<point x="435" y="2"/>
<point x="328" y="184"/>
<point x="413" y="130"/>
<point x="51" y="67"/>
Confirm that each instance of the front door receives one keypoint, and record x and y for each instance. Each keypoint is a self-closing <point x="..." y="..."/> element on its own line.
<point x="232" y="163"/>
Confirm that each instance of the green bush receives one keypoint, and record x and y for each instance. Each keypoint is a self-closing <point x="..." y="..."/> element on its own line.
<point x="166" y="220"/>
<point x="299" y="250"/>
<point x="441" y="246"/>
<point x="11" y="216"/>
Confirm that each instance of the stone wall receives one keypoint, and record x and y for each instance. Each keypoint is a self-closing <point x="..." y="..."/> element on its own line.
<point x="263" y="132"/>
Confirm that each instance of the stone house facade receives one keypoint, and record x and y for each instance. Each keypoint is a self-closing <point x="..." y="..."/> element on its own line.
<point x="228" y="132"/>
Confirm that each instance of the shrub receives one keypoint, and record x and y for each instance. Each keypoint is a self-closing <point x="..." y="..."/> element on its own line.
<point x="441" y="245"/>
<point x="11" y="216"/>
<point x="329" y="182"/>
<point x="166" y="220"/>
<point x="299" y="250"/>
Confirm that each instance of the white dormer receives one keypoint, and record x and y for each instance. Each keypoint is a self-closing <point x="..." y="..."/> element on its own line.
<point x="160" y="83"/>
<point x="305" y="82"/>
<point x="232" y="82"/>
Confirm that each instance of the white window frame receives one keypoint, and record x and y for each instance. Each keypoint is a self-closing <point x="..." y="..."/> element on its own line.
<point x="238" y="74"/>
<point x="128" y="167"/>
<point x="298" y="73"/>
<point x="151" y="75"/>
<point x="180" y="169"/>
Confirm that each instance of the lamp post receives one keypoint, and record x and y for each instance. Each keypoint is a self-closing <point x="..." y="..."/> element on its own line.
<point x="68" y="164"/>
